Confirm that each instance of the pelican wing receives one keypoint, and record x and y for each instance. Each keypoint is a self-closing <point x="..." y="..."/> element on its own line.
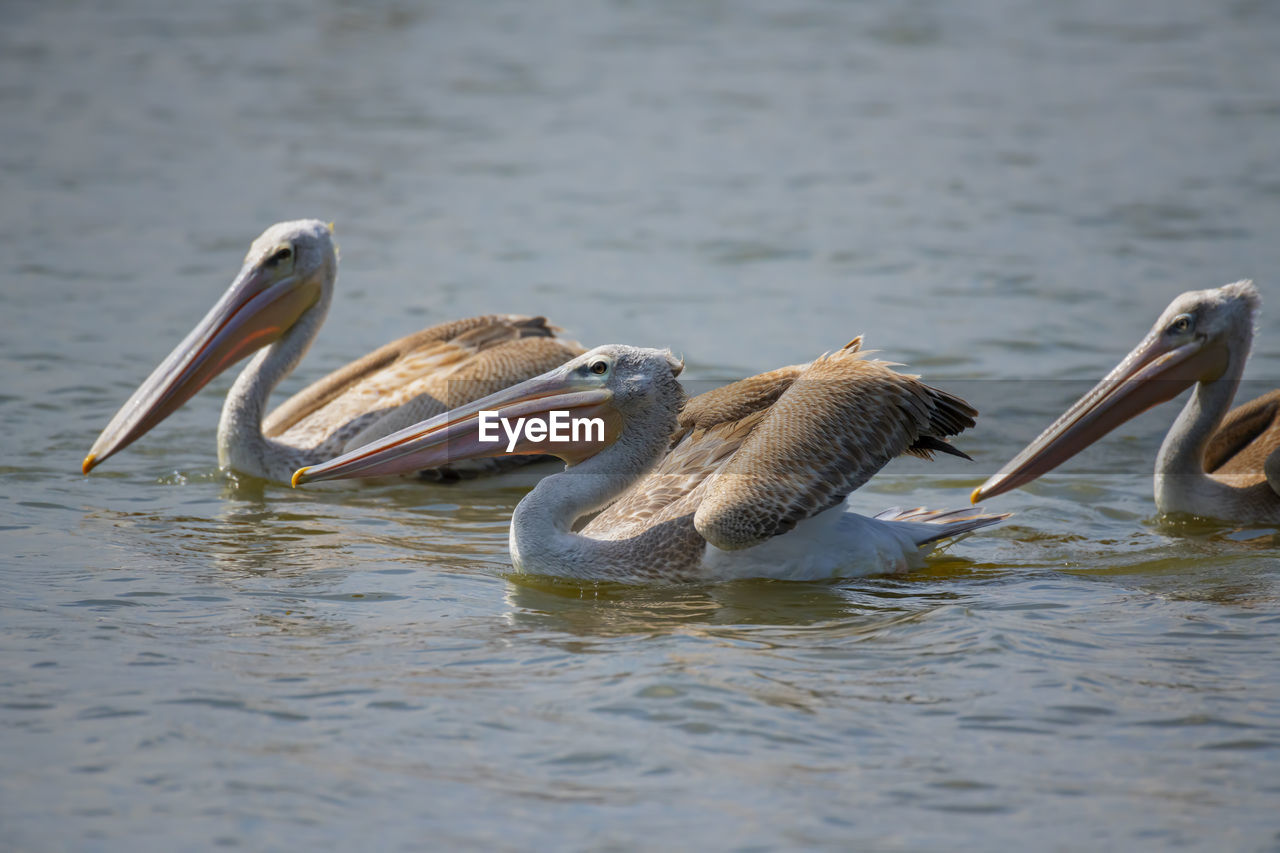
<point x="838" y="423"/>
<point x="675" y="487"/>
<point x="710" y="429"/>
<point x="417" y="377"/>
<point x="735" y="401"/>
<point x="753" y="458"/>
<point x="438" y="380"/>
<point x="1248" y="435"/>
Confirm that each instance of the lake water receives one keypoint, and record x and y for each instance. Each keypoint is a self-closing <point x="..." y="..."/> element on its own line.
<point x="1001" y="194"/>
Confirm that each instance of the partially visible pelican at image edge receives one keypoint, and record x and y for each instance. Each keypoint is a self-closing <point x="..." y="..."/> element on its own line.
<point x="1215" y="461"/>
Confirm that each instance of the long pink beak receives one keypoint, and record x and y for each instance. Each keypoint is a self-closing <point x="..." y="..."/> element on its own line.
<point x="249" y="315"/>
<point x="1152" y="373"/>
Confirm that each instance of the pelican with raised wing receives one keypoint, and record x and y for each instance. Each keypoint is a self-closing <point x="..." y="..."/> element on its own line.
<point x="1213" y="462"/>
<point x="275" y="306"/>
<point x="748" y="480"/>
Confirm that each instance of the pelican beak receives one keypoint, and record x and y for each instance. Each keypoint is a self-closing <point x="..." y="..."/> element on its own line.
<point x="496" y="425"/>
<point x="253" y="312"/>
<point x="1155" y="371"/>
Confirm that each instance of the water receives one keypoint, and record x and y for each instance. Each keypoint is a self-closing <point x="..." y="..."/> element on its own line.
<point x="1000" y="194"/>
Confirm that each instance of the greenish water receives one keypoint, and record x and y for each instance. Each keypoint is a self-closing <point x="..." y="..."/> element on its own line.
<point x="1000" y="194"/>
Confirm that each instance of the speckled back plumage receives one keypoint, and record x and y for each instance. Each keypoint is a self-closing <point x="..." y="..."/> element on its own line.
<point x="416" y="377"/>
<point x="755" y="457"/>
<point x="842" y="420"/>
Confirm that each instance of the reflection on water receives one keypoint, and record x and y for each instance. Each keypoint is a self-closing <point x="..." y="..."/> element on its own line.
<point x="1000" y="194"/>
<point x="606" y="609"/>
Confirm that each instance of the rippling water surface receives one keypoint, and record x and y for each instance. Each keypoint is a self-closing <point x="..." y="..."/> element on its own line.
<point x="1001" y="194"/>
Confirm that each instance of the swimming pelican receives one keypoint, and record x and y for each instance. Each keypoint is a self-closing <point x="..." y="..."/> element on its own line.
<point x="1213" y="463"/>
<point x="276" y="304"/>
<point x="748" y="480"/>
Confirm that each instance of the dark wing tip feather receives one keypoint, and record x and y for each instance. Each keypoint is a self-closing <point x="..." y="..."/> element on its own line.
<point x="951" y="415"/>
<point x="534" y="327"/>
<point x="925" y="446"/>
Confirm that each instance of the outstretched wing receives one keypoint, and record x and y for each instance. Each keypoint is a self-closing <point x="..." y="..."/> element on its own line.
<point x="416" y="377"/>
<point x="838" y="423"/>
<point x="753" y="458"/>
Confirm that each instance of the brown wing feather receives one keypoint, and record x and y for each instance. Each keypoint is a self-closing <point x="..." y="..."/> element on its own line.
<point x="447" y="375"/>
<point x="736" y="400"/>
<point x="710" y="429"/>
<point x="424" y="373"/>
<point x="725" y="452"/>
<point x="838" y="423"/>
<point x="320" y="393"/>
<point x="675" y="487"/>
<point x="1247" y="437"/>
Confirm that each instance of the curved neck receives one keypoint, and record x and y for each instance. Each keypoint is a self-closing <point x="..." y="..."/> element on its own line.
<point x="1181" y="482"/>
<point x="241" y="444"/>
<point x="542" y="537"/>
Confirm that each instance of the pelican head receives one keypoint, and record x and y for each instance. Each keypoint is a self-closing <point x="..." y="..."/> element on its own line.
<point x="289" y="270"/>
<point x="611" y="383"/>
<point x="1198" y="336"/>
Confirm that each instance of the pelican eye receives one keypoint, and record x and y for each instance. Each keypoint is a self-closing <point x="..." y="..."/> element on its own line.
<point x="599" y="367"/>
<point x="284" y="253"/>
<point x="1182" y="323"/>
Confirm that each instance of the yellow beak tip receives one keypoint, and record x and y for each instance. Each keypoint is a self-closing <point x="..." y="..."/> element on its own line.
<point x="89" y="462"/>
<point x="298" y="476"/>
<point x="975" y="495"/>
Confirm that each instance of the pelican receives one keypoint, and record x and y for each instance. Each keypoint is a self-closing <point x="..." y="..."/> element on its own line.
<point x="748" y="480"/>
<point x="1213" y="463"/>
<point x="275" y="306"/>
